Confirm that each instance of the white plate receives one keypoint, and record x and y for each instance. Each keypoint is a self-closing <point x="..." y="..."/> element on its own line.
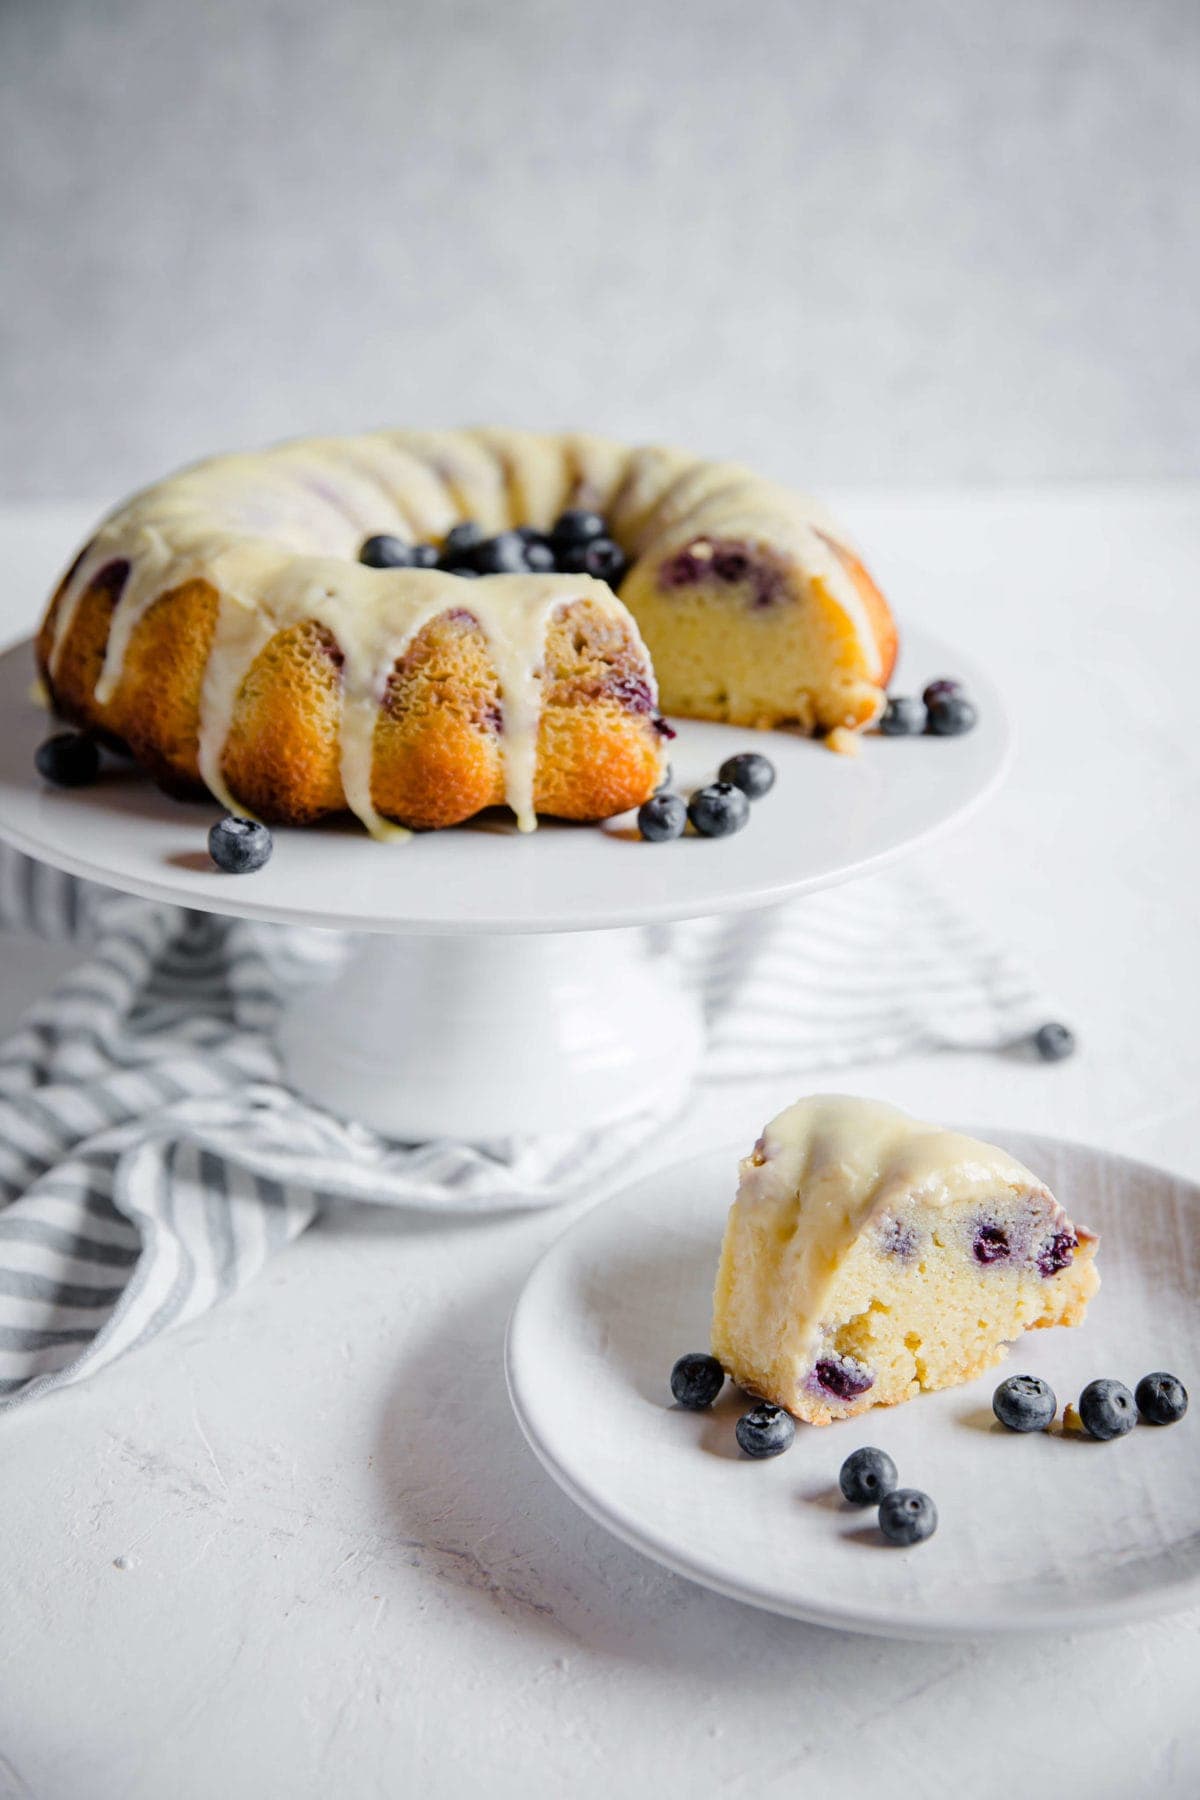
<point x="1040" y="1532"/>
<point x="829" y="817"/>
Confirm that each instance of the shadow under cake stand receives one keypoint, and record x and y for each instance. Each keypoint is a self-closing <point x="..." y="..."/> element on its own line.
<point x="501" y="983"/>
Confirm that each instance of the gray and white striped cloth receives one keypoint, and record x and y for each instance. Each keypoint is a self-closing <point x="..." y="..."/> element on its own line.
<point x="151" y="1158"/>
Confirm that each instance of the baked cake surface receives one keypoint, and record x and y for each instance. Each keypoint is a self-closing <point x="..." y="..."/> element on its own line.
<point x="222" y="625"/>
<point x="869" y="1256"/>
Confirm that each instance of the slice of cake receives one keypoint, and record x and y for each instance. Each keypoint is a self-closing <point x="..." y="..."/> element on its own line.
<point x="868" y="1256"/>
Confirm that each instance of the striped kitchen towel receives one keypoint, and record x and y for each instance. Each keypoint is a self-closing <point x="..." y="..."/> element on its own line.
<point x="152" y="1158"/>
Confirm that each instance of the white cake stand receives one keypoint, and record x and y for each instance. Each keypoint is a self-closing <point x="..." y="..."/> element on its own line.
<point x="499" y="986"/>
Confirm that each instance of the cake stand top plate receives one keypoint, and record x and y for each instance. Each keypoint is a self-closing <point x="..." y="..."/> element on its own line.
<point x="829" y="818"/>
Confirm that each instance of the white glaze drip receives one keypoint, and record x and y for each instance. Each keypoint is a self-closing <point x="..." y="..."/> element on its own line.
<point x="277" y="536"/>
<point x="820" y="1171"/>
<point x="373" y="615"/>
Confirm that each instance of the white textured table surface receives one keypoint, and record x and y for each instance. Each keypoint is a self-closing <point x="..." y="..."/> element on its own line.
<point x="299" y="1548"/>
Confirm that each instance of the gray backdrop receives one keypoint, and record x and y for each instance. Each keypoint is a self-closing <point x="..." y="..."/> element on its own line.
<point x="850" y="241"/>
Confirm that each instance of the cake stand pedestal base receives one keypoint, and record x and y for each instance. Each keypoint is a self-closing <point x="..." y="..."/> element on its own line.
<point x="485" y="1037"/>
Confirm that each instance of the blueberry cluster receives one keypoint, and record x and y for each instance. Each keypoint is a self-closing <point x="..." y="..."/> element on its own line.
<point x="1105" y="1409"/>
<point x="578" y="543"/>
<point x="942" y="711"/>
<point x="868" y="1477"/>
<point x="717" y="810"/>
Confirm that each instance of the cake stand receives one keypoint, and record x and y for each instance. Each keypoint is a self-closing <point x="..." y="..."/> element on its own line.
<point x="501" y="983"/>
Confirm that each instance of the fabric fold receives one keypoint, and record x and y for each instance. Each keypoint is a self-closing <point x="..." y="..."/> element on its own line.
<point x="152" y="1157"/>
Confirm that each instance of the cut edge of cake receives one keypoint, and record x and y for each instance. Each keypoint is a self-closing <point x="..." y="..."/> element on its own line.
<point x="869" y="1257"/>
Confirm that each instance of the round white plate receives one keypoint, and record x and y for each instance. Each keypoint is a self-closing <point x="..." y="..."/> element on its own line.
<point x="1040" y="1532"/>
<point x="830" y="817"/>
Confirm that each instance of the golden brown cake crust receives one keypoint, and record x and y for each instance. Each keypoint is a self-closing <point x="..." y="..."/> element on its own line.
<point x="222" y="625"/>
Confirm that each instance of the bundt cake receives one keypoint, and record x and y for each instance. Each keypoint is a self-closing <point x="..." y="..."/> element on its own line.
<point x="222" y="625"/>
<point x="868" y="1256"/>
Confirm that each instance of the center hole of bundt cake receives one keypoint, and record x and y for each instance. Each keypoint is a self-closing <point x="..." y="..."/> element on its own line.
<point x="578" y="543"/>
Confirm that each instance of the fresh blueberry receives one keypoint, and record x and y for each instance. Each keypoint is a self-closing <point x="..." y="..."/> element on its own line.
<point x="662" y="818"/>
<point x="719" y="810"/>
<point x="696" y="1380"/>
<point x="539" y="557"/>
<point x="424" y="556"/>
<point x="503" y="554"/>
<point x="903" y="716"/>
<point x="942" y="689"/>
<point x="598" y="556"/>
<point x="765" y="1430"/>
<point x="867" y="1476"/>
<point x="1161" y="1398"/>
<point x="907" y="1516"/>
<point x="461" y="541"/>
<point x="70" y="759"/>
<point x="463" y="569"/>
<point x="239" y="846"/>
<point x="950" y="716"/>
<point x="1107" y="1409"/>
<point x="576" y="526"/>
<point x="386" y="552"/>
<point x="1053" y="1041"/>
<point x="1025" y="1403"/>
<point x="750" y="772"/>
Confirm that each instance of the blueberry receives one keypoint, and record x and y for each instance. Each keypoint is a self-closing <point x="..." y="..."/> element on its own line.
<point x="465" y="570"/>
<point x="843" y="1376"/>
<point x="70" y="759"/>
<point x="1161" y="1398"/>
<point x="662" y="818"/>
<point x="599" y="557"/>
<point x="907" y="1516"/>
<point x="718" y="811"/>
<point x="1025" y="1403"/>
<point x="950" y="716"/>
<point x="765" y="1430"/>
<point x="503" y="554"/>
<point x="943" y="689"/>
<point x="539" y="558"/>
<point x="750" y="772"/>
<point x="424" y="556"/>
<point x="460" y="541"/>
<point x="386" y="552"/>
<point x="867" y="1477"/>
<point x="903" y="716"/>
<point x="576" y="526"/>
<point x="1056" y="1252"/>
<point x="1053" y="1041"/>
<point x="239" y="846"/>
<point x="696" y="1380"/>
<point x="1107" y="1409"/>
<point x="990" y="1244"/>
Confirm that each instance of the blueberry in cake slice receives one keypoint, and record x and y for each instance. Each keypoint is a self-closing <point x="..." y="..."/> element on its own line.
<point x="869" y="1256"/>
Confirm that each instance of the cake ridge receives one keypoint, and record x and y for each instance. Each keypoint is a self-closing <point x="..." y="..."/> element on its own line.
<point x="260" y="545"/>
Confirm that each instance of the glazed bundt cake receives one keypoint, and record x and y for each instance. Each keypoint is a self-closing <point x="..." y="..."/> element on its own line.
<point x="222" y="625"/>
<point x="868" y="1256"/>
